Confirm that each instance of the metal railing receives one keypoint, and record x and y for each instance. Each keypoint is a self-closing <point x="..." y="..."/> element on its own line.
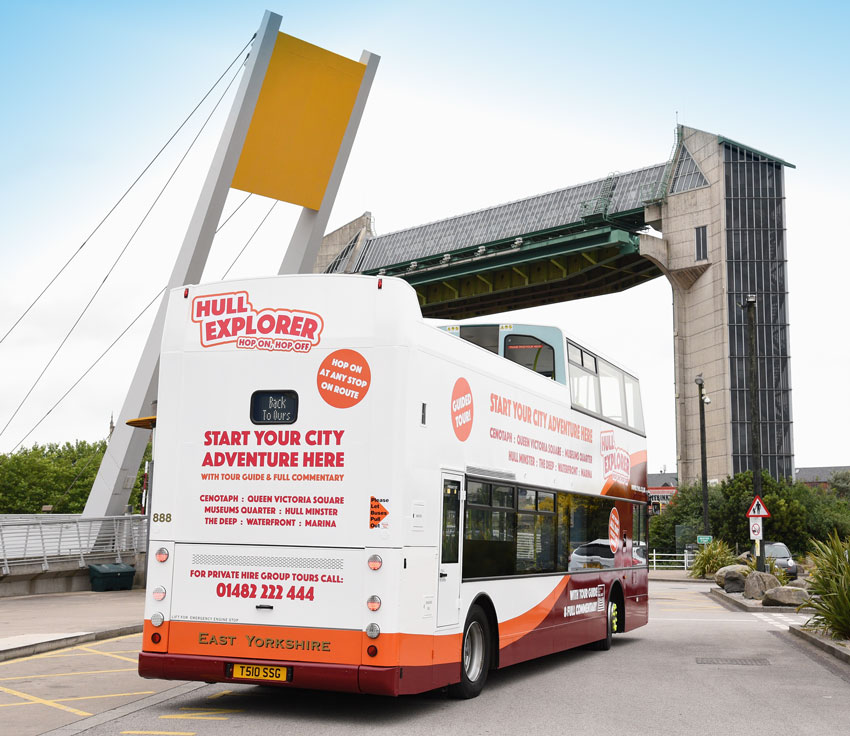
<point x="670" y="561"/>
<point x="46" y="540"/>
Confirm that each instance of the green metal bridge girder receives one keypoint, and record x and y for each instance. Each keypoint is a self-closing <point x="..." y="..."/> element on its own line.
<point x="526" y="272"/>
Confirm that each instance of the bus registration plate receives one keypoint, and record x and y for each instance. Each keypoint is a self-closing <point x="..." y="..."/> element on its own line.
<point x="258" y="672"/>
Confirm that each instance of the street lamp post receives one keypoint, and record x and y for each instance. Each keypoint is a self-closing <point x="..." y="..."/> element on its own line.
<point x="755" y="427"/>
<point x="703" y="400"/>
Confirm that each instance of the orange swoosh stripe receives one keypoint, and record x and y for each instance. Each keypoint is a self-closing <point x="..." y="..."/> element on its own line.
<point x="515" y="628"/>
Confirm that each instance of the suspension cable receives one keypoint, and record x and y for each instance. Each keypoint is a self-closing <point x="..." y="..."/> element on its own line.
<point x="238" y="207"/>
<point x="89" y="369"/>
<point x="115" y="341"/>
<point x="239" y="254"/>
<point x="127" y="191"/>
<point x="123" y="250"/>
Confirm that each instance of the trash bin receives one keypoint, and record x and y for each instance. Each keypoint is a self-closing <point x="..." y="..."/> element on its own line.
<point x="111" y="576"/>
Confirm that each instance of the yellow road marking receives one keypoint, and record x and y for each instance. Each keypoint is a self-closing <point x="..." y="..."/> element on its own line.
<point x="51" y="655"/>
<point x="74" y="653"/>
<point x="113" y="695"/>
<point x="218" y="695"/>
<point x="42" y="701"/>
<point x="107" y="654"/>
<point x="65" y="674"/>
<point x="204" y="714"/>
<point x="84" y="697"/>
<point x="59" y="652"/>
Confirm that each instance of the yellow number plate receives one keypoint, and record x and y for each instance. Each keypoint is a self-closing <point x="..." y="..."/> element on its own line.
<point x="259" y="672"/>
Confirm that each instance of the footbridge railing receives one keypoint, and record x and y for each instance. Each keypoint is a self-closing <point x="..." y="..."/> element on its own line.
<point x="27" y="541"/>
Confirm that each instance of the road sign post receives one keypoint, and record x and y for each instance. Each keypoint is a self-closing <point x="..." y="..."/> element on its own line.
<point x="756" y="515"/>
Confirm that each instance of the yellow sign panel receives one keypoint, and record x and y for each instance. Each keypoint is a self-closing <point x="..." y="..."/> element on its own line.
<point x="298" y="124"/>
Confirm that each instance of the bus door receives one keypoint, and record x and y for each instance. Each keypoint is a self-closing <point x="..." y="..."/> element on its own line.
<point x="448" y="586"/>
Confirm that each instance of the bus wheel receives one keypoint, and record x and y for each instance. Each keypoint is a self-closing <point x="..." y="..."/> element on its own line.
<point x="610" y="627"/>
<point x="475" y="656"/>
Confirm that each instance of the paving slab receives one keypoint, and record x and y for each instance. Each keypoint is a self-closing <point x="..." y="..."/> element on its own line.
<point x="39" y="623"/>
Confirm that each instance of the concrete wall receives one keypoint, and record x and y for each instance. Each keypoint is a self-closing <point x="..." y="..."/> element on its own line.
<point x="64" y="577"/>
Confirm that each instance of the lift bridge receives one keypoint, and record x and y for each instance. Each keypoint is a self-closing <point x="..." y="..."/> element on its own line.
<point x="716" y="209"/>
<point x="568" y="244"/>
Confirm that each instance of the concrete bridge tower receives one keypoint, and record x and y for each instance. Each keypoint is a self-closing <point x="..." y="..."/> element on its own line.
<point x="723" y="225"/>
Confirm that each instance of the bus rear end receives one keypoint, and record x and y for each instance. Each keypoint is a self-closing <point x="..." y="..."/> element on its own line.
<point x="274" y="543"/>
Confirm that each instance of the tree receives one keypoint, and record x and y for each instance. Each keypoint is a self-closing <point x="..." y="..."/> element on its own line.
<point x="840" y="483"/>
<point x="54" y="475"/>
<point x="798" y="513"/>
<point x="685" y="512"/>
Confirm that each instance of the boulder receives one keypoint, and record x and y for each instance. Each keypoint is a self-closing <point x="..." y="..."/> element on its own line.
<point x="785" y="595"/>
<point x="757" y="583"/>
<point x="734" y="581"/>
<point x="720" y="575"/>
<point x="746" y="557"/>
<point x="800" y="583"/>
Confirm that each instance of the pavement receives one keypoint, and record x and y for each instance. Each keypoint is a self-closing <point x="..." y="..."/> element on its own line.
<point x="674" y="576"/>
<point x="39" y="623"/>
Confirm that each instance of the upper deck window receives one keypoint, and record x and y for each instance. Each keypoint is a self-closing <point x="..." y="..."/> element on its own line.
<point x="532" y="353"/>
<point x="634" y="408"/>
<point x="611" y="389"/>
<point x="485" y="336"/>
<point x="603" y="389"/>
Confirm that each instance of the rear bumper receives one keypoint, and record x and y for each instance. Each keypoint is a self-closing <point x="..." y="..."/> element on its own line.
<point x="307" y="675"/>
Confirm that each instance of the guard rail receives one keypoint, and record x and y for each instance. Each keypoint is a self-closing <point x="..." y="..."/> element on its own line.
<point x="670" y="561"/>
<point x="46" y="541"/>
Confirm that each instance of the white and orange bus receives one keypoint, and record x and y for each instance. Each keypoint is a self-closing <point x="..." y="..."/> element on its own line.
<point x="348" y="497"/>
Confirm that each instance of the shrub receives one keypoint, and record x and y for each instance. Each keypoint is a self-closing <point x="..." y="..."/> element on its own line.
<point x="830" y="587"/>
<point x="711" y="558"/>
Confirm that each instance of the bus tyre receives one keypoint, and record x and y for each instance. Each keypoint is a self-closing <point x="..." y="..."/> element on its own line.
<point x="475" y="655"/>
<point x="610" y="627"/>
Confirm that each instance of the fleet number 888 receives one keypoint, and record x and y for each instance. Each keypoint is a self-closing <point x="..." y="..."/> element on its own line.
<point x="162" y="517"/>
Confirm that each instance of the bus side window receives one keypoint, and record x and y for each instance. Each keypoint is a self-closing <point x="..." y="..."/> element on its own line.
<point x="451" y="519"/>
<point x="563" y="531"/>
<point x="489" y="530"/>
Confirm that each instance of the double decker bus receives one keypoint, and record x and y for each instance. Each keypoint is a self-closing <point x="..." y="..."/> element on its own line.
<point x="348" y="497"/>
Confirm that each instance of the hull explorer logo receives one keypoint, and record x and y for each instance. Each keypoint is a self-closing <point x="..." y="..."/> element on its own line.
<point x="229" y="318"/>
<point x="616" y="462"/>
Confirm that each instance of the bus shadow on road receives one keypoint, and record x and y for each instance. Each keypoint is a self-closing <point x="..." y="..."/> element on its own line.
<point x="354" y="710"/>
<point x="562" y="663"/>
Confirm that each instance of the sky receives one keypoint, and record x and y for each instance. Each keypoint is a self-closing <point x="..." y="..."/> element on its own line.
<point x="474" y="104"/>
